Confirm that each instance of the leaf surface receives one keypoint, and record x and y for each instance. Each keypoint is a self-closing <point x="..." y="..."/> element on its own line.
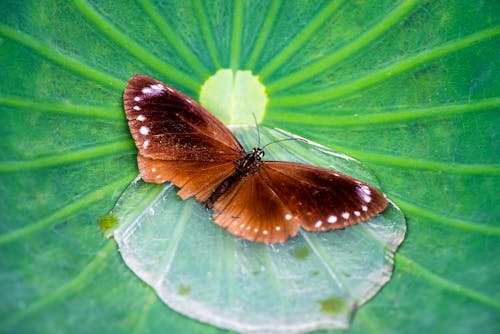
<point x="408" y="88"/>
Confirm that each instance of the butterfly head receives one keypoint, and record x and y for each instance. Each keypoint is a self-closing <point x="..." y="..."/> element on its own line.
<point x="250" y="162"/>
<point x="258" y="153"/>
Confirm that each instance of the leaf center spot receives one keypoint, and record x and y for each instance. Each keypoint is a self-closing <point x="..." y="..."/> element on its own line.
<point x="234" y="97"/>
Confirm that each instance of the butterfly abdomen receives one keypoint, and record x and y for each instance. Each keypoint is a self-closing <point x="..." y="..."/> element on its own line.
<point x="222" y="188"/>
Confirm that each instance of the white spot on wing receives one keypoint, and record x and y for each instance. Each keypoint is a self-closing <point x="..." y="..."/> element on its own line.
<point x="318" y="223"/>
<point x="153" y="169"/>
<point x="147" y="90"/>
<point x="367" y="198"/>
<point x="256" y="230"/>
<point x="145" y="144"/>
<point x="364" y="208"/>
<point x="137" y="98"/>
<point x="265" y="232"/>
<point x="345" y="215"/>
<point x="144" y="130"/>
<point x="366" y="190"/>
<point x="357" y="213"/>
<point x="278" y="228"/>
<point x="332" y="219"/>
<point x="141" y="118"/>
<point x="288" y="216"/>
<point x="157" y="87"/>
<point x="137" y="108"/>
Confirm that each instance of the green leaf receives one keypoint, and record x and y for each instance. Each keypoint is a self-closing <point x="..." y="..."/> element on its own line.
<point x="409" y="88"/>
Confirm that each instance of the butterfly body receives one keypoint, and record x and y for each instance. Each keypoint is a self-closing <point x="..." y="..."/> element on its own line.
<point x="249" y="163"/>
<point x="264" y="201"/>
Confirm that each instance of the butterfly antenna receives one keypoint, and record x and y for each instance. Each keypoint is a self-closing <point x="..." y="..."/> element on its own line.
<point x="258" y="129"/>
<point x="280" y="140"/>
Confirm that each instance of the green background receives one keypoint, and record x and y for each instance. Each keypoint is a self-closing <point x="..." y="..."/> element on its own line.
<point x="410" y="88"/>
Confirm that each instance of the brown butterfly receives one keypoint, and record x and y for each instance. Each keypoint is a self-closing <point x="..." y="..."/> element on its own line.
<point x="179" y="141"/>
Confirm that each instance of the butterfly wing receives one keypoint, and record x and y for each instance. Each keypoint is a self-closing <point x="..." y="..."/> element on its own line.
<point x="168" y="125"/>
<point x="284" y="195"/>
<point x="192" y="177"/>
<point x="253" y="211"/>
<point x="322" y="199"/>
<point x="178" y="139"/>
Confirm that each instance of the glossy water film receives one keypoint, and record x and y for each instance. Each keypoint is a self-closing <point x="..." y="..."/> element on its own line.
<point x="313" y="281"/>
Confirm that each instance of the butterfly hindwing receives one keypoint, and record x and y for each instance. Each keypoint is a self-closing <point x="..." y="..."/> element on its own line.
<point x="194" y="178"/>
<point x="252" y="211"/>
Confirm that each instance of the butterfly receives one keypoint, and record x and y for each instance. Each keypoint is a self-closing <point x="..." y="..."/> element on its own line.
<point x="179" y="141"/>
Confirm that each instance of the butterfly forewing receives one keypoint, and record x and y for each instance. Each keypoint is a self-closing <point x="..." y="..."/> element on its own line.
<point x="321" y="199"/>
<point x="178" y="140"/>
<point x="168" y="125"/>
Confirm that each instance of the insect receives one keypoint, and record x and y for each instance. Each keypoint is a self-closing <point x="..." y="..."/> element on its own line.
<point x="179" y="141"/>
